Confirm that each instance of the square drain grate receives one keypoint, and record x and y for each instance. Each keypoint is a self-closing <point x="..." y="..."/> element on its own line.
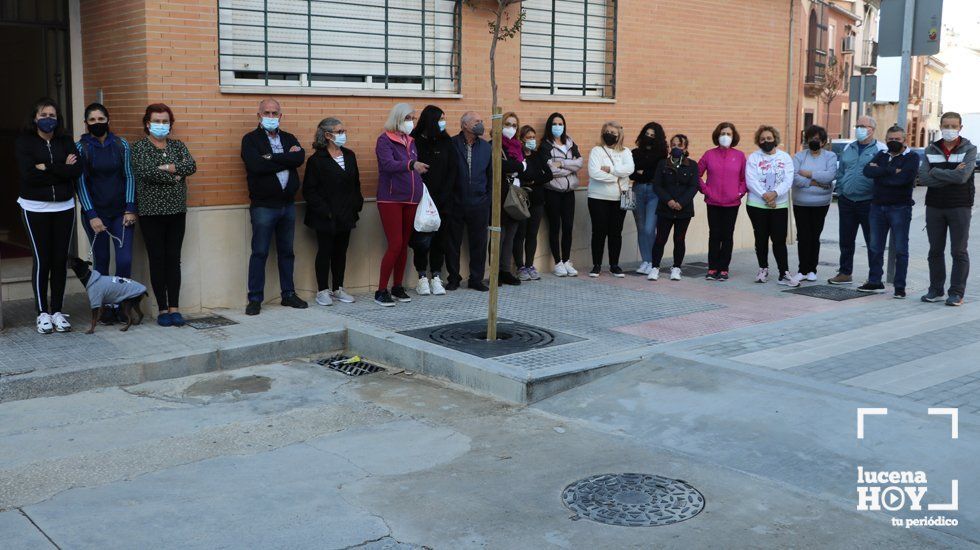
<point x="828" y="292"/>
<point x="211" y="321"/>
<point x="512" y="337"/>
<point x="351" y="366"/>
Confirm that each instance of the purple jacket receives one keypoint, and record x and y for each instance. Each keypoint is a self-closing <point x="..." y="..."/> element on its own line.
<point x="397" y="181"/>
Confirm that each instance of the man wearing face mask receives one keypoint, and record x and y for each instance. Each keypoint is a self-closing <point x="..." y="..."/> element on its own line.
<point x="893" y="172"/>
<point x="271" y="158"/>
<point x="948" y="172"/>
<point x="854" y="191"/>
<point x="474" y="185"/>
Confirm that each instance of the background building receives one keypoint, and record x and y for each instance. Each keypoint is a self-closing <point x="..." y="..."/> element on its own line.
<point x="687" y="65"/>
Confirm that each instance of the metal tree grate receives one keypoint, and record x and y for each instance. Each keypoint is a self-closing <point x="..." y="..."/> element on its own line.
<point x="344" y="364"/>
<point x="828" y="292"/>
<point x="633" y="500"/>
<point x="471" y="337"/>
<point x="211" y="321"/>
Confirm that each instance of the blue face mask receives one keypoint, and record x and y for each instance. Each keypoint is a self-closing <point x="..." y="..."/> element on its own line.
<point x="339" y="139"/>
<point x="159" y="130"/>
<point x="557" y="130"/>
<point x="531" y="144"/>
<point x="442" y="125"/>
<point x="861" y="134"/>
<point x="270" y="124"/>
<point x="47" y="125"/>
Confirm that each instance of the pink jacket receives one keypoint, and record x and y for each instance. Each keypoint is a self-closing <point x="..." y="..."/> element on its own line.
<point x="725" y="184"/>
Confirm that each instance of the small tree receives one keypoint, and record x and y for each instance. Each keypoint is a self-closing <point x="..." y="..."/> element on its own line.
<point x="501" y="29"/>
<point x="833" y="84"/>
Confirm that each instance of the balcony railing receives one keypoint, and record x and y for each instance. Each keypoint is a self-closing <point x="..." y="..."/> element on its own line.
<point x="816" y="66"/>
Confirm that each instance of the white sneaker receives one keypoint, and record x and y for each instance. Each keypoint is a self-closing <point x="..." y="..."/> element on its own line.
<point x="799" y="277"/>
<point x="763" y="275"/>
<point x="811" y="276"/>
<point x="560" y="270"/>
<point x="341" y="295"/>
<point x="675" y="274"/>
<point x="788" y="280"/>
<point x="324" y="298"/>
<point x="570" y="270"/>
<point x="423" y="287"/>
<point x="60" y="323"/>
<point x="436" y="286"/>
<point x="644" y="268"/>
<point x="44" y="325"/>
<point x="654" y="274"/>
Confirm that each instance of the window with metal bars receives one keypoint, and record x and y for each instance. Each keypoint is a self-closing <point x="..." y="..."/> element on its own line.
<point x="343" y="44"/>
<point x="568" y="47"/>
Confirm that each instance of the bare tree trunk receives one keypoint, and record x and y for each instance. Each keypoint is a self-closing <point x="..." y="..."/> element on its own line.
<point x="495" y="207"/>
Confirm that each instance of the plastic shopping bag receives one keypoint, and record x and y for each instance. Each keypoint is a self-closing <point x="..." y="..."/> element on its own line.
<point x="427" y="215"/>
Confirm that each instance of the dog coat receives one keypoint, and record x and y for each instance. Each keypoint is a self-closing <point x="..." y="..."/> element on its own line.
<point x="111" y="290"/>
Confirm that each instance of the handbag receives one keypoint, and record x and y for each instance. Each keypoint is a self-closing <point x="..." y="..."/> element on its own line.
<point x="627" y="198"/>
<point x="517" y="204"/>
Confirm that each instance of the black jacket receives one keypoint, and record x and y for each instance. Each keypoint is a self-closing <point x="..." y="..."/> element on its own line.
<point x="440" y="180"/>
<point x="679" y="184"/>
<point x="264" y="188"/>
<point x="508" y="166"/>
<point x="56" y="183"/>
<point x="894" y="177"/>
<point x="333" y="194"/>
<point x="535" y="176"/>
<point x="647" y="160"/>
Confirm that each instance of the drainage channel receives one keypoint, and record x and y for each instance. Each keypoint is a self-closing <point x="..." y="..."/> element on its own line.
<point x="351" y="366"/>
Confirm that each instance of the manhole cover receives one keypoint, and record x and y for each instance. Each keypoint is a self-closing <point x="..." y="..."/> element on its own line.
<point x="471" y="337"/>
<point x="633" y="500"/>
<point x="828" y="292"/>
<point x="351" y="366"/>
<point x="694" y="269"/>
<point x="211" y="321"/>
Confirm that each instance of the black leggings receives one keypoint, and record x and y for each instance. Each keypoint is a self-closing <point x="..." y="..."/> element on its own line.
<point x="429" y="254"/>
<point x="770" y="224"/>
<point x="560" y="208"/>
<point x="526" y="240"/>
<point x="809" y="226"/>
<point x="721" y="230"/>
<point x="164" y="237"/>
<point x="51" y="235"/>
<point x="664" y="224"/>
<point x="607" y="223"/>
<point x="331" y="258"/>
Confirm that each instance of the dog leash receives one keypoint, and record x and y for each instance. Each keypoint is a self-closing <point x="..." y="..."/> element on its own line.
<point x="91" y="247"/>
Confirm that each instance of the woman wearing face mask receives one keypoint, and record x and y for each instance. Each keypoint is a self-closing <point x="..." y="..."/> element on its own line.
<point x="813" y="188"/>
<point x="332" y="189"/>
<point x="512" y="168"/>
<point x="535" y="176"/>
<point x="161" y="165"/>
<point x="610" y="165"/>
<point x="107" y="192"/>
<point x="435" y="149"/>
<point x="651" y="149"/>
<point x="676" y="183"/>
<point x="769" y="177"/>
<point x="559" y="197"/>
<point x="399" y="192"/>
<point x="723" y="191"/>
<point x="48" y="164"/>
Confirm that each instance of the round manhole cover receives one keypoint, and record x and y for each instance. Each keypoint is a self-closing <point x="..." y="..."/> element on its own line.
<point x="519" y="335"/>
<point x="633" y="500"/>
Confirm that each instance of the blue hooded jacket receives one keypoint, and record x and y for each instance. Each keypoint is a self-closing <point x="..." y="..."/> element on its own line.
<point x="852" y="184"/>
<point x="106" y="187"/>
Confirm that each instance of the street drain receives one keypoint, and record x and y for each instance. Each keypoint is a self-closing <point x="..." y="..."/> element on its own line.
<point x="828" y="292"/>
<point x="211" y="321"/>
<point x="351" y="366"/>
<point x="633" y="500"/>
<point x="471" y="337"/>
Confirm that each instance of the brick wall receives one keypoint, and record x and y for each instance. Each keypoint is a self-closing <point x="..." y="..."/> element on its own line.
<point x="688" y="65"/>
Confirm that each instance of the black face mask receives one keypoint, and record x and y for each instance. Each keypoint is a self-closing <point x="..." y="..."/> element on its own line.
<point x="677" y="152"/>
<point x="98" y="129"/>
<point x="895" y="146"/>
<point x="814" y="145"/>
<point x="767" y="146"/>
<point x="610" y="139"/>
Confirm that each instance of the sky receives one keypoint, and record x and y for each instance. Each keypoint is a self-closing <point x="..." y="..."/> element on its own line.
<point x="961" y="86"/>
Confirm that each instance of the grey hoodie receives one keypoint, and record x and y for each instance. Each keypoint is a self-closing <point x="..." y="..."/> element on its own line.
<point x="811" y="191"/>
<point x="111" y="290"/>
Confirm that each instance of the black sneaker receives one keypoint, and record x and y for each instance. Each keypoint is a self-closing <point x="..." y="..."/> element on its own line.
<point x="478" y="286"/>
<point x="616" y="271"/>
<point x="871" y="287"/>
<point x="711" y="275"/>
<point x="293" y="301"/>
<point x="253" y="308"/>
<point x="933" y="297"/>
<point x="723" y="276"/>
<point x="398" y="293"/>
<point x="954" y="300"/>
<point x="383" y="298"/>
<point x="452" y="284"/>
<point x="108" y="316"/>
<point x="596" y="270"/>
<point x="899" y="294"/>
<point x="508" y="278"/>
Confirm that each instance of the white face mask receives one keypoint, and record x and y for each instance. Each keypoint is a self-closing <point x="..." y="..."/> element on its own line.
<point x="509" y="132"/>
<point x="725" y="140"/>
<point x="407" y="126"/>
<point x="950" y="135"/>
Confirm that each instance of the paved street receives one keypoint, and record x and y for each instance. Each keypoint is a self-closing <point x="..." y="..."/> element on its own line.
<point x="747" y="393"/>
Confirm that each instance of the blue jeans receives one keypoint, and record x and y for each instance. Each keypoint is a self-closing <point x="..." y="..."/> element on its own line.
<point x="100" y="250"/>
<point x="852" y="215"/>
<point x="883" y="218"/>
<point x="646" y="219"/>
<point x="266" y="222"/>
